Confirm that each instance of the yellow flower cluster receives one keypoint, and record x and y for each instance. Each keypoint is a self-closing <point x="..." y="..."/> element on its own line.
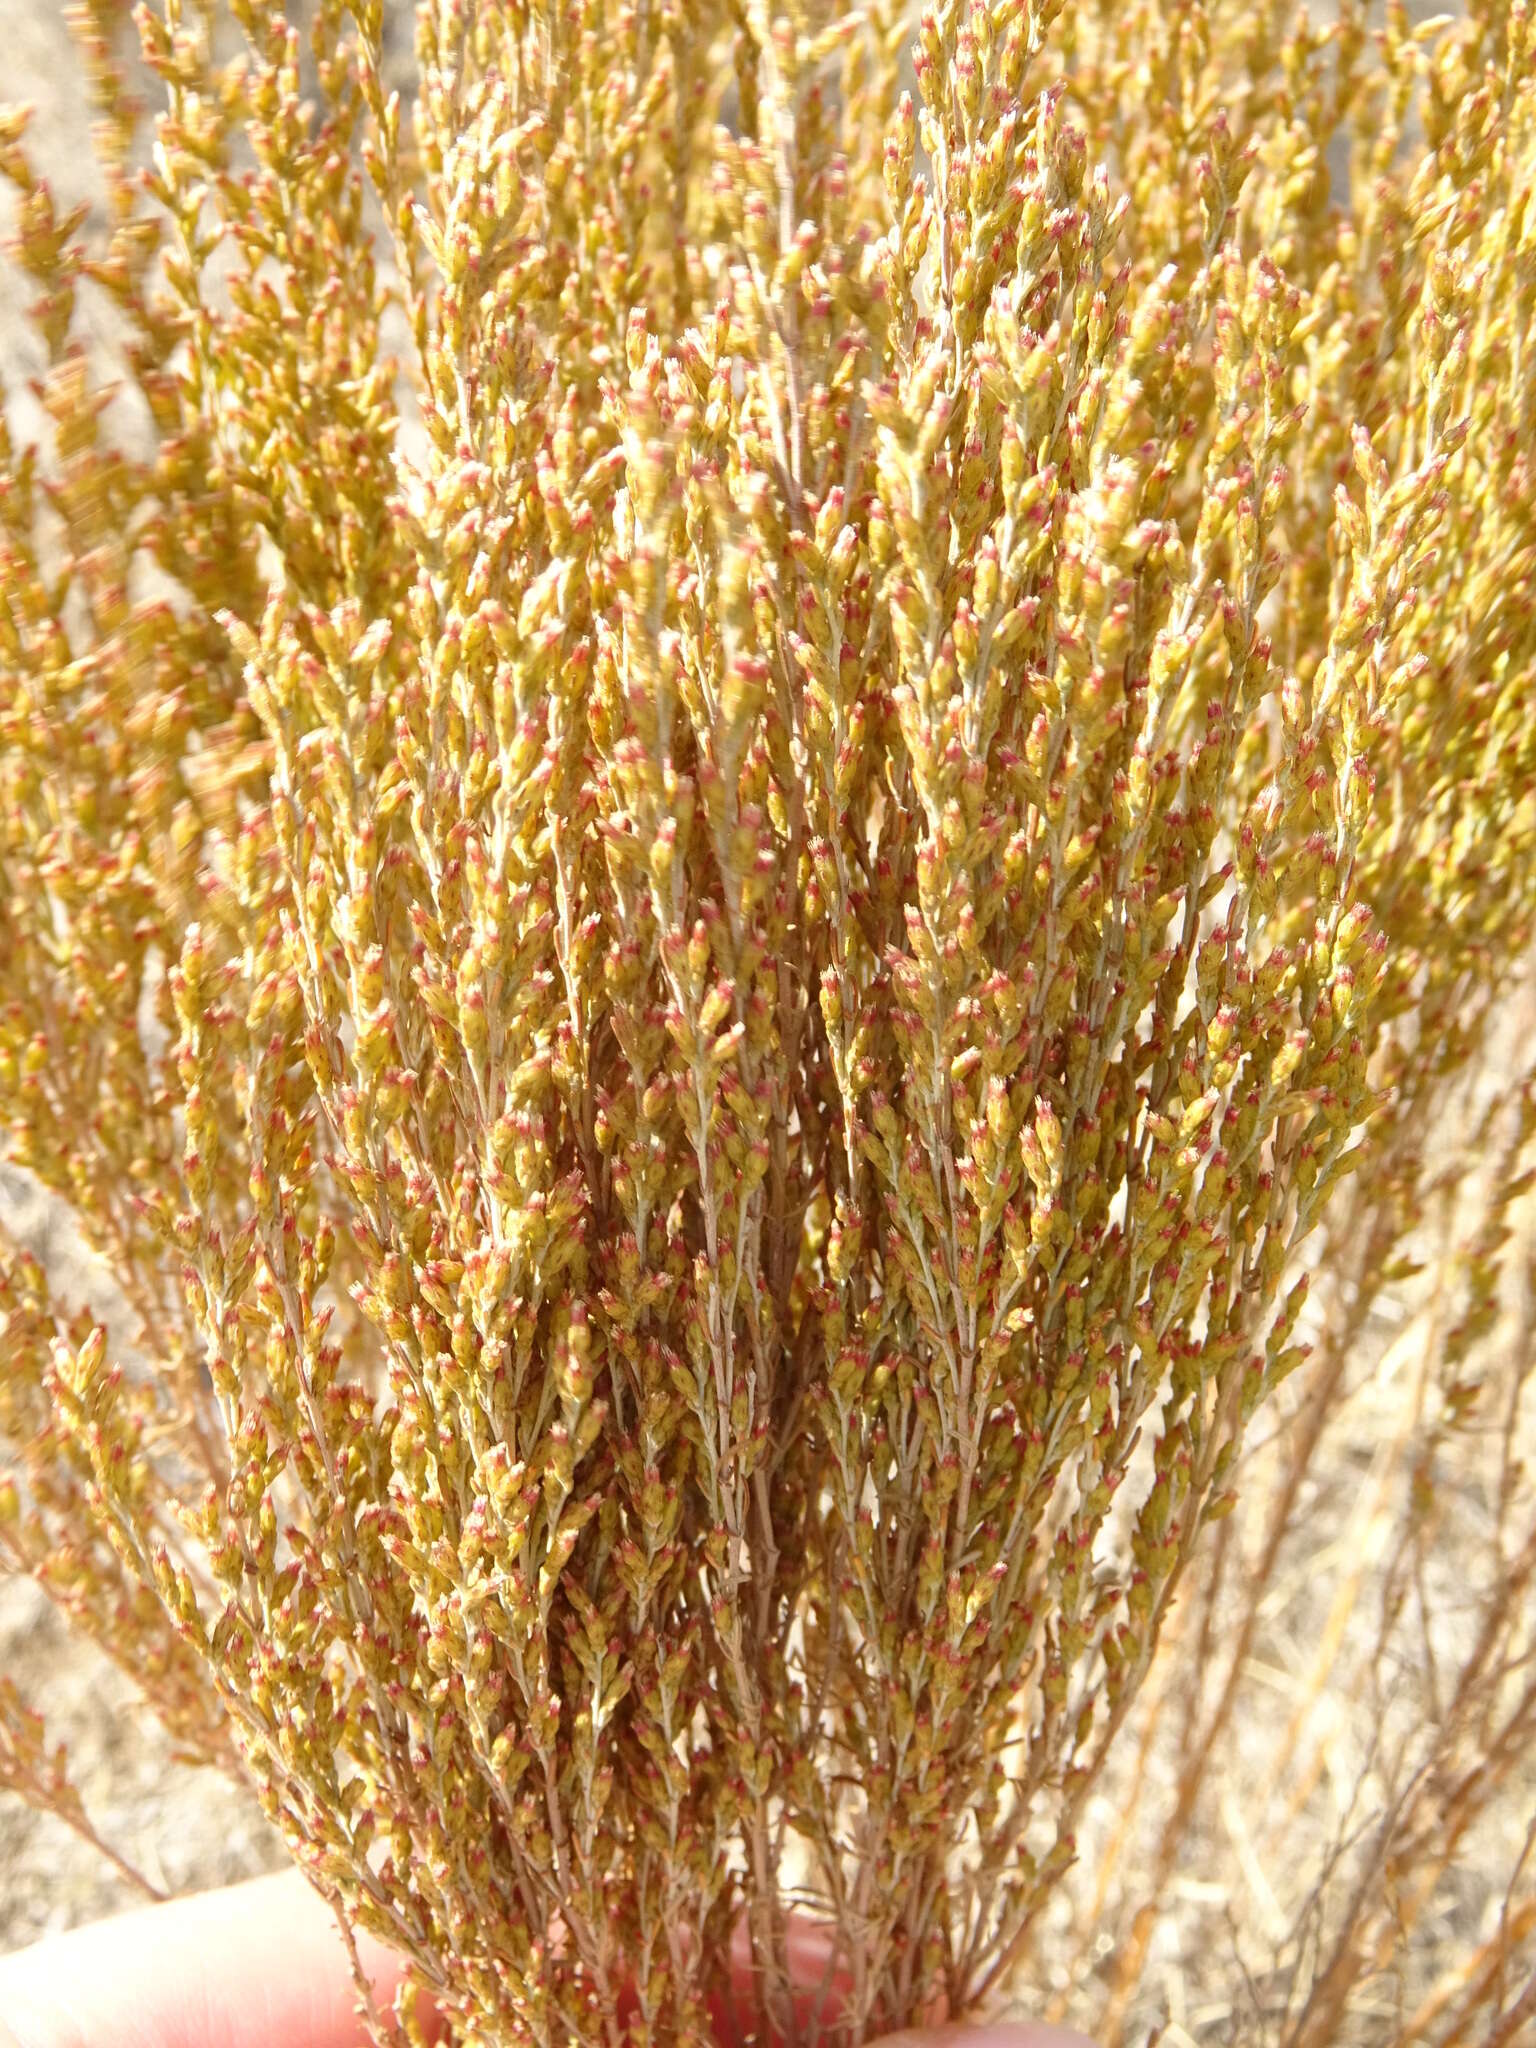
<point x="700" y="956"/>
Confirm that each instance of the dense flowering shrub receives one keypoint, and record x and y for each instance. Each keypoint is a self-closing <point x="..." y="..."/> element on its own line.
<point x="701" y="930"/>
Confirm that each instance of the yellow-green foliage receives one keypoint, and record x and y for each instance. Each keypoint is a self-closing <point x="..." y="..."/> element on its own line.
<point x="700" y="956"/>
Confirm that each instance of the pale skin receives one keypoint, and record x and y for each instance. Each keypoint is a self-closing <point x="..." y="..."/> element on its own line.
<point x="260" y="1965"/>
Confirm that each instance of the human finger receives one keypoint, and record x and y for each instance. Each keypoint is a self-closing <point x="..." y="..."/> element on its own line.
<point x="821" y="1980"/>
<point x="243" y="1967"/>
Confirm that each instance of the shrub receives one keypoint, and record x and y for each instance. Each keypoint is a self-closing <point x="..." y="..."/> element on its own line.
<point x="702" y="949"/>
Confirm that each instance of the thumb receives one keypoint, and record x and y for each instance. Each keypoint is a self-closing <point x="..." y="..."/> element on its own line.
<point x="259" y="1963"/>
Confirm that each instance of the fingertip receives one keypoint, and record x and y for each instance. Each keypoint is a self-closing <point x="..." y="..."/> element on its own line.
<point x="258" y="1963"/>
